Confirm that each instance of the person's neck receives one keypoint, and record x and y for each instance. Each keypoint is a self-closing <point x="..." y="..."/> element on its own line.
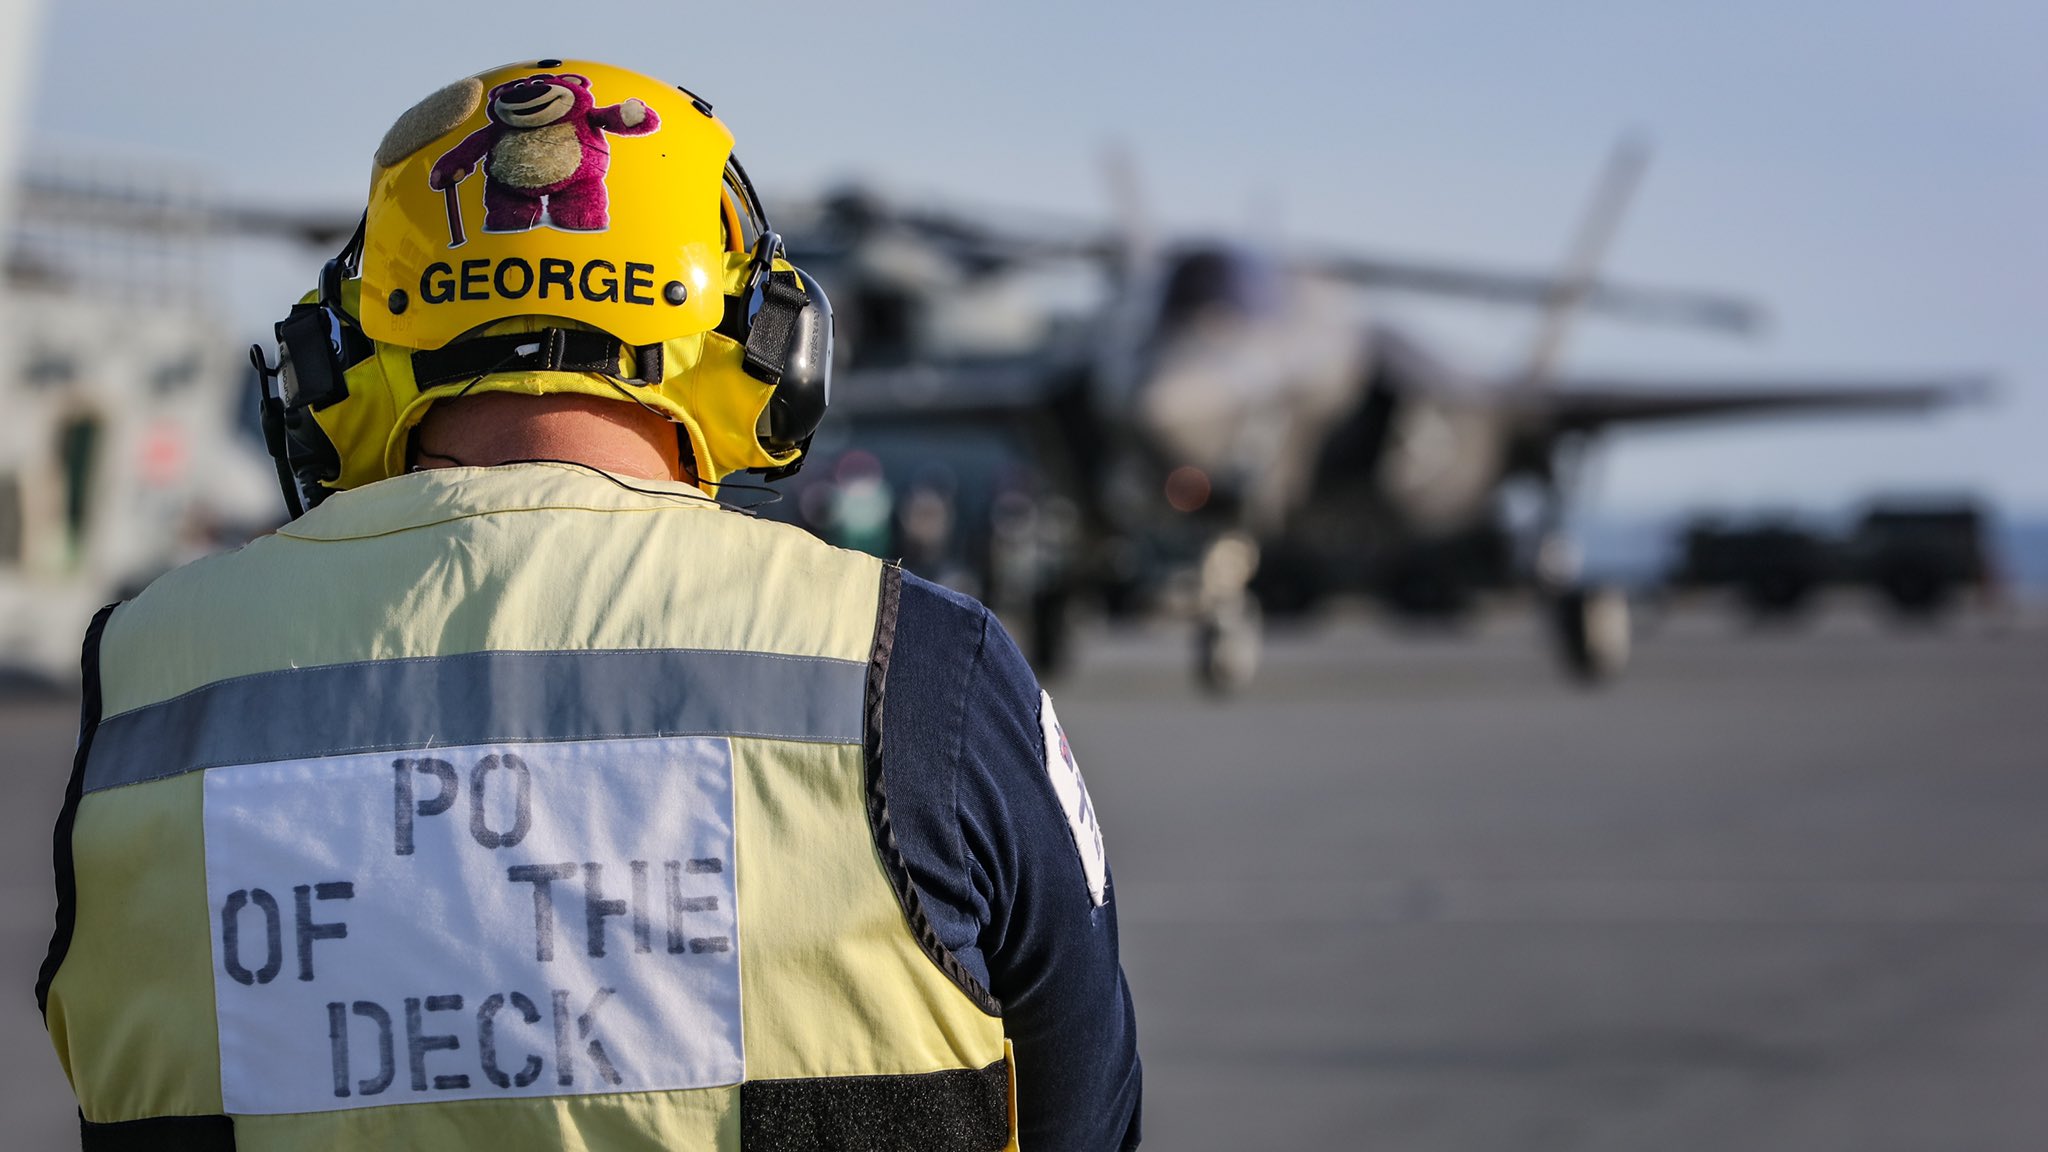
<point x="506" y="428"/>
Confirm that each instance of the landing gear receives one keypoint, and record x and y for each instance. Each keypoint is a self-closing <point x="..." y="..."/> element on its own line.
<point x="1227" y="623"/>
<point x="1777" y="594"/>
<point x="1227" y="649"/>
<point x="1916" y="591"/>
<point x="1051" y="632"/>
<point x="1592" y="627"/>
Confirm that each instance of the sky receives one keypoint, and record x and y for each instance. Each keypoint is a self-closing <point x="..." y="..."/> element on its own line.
<point x="1874" y="173"/>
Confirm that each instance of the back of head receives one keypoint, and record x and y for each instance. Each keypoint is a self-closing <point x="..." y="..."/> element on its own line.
<point x="553" y="229"/>
<point x="503" y="428"/>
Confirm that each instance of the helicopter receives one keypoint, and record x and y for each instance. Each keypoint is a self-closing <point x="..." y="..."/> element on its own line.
<point x="1223" y="431"/>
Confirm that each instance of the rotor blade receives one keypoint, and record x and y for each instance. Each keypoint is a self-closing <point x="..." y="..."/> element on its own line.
<point x="1000" y="245"/>
<point x="1132" y="246"/>
<point x="850" y="216"/>
<point x="1587" y="405"/>
<point x="1611" y="197"/>
<point x="1678" y="306"/>
<point x="1562" y="297"/>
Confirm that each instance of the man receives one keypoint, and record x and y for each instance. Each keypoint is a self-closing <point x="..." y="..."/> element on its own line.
<point x="518" y="795"/>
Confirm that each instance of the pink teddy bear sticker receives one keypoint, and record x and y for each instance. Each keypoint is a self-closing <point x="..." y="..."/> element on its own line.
<point x="544" y="156"/>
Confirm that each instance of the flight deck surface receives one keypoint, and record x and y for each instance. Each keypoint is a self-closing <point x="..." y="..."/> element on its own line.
<point x="1772" y="891"/>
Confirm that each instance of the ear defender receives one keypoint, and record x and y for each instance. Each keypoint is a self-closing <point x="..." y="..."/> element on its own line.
<point x="316" y="343"/>
<point x="804" y="389"/>
<point x="788" y="342"/>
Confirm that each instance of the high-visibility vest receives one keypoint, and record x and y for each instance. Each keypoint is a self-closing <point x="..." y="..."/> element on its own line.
<point x="506" y="809"/>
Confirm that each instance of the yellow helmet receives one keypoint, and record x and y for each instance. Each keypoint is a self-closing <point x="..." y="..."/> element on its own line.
<point x="552" y="226"/>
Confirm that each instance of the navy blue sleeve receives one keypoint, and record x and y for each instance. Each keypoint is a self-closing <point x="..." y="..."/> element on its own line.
<point x="994" y="862"/>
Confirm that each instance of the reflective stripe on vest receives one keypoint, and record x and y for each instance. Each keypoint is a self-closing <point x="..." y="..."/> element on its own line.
<point x="388" y="839"/>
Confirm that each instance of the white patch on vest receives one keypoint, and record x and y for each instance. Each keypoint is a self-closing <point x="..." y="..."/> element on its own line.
<point x="1073" y="794"/>
<point x="381" y="936"/>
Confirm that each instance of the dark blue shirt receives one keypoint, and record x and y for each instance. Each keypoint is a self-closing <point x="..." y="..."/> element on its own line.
<point x="996" y="867"/>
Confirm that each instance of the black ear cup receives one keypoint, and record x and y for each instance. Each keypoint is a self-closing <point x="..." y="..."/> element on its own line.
<point x="316" y="343"/>
<point x="300" y="448"/>
<point x="309" y="343"/>
<point x="786" y="331"/>
<point x="805" y="387"/>
<point x="309" y="374"/>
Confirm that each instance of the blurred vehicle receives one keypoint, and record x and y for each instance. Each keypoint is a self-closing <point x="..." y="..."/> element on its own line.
<point x="1222" y="433"/>
<point x="1918" y="556"/>
<point x="123" y="453"/>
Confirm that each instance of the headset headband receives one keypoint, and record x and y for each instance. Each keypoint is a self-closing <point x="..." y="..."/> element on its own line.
<point x="750" y="200"/>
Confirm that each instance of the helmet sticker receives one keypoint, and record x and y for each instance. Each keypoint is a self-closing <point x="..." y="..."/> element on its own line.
<point x="428" y="120"/>
<point x="544" y="156"/>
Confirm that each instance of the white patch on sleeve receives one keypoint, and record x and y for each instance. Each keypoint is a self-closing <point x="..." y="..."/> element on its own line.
<point x="543" y="919"/>
<point x="1073" y="794"/>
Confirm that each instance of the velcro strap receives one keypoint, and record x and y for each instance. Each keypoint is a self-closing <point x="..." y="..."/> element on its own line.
<point x="159" y="1134"/>
<point x="549" y="350"/>
<point x="957" y="1110"/>
<point x="774" y="327"/>
<point x="647" y="363"/>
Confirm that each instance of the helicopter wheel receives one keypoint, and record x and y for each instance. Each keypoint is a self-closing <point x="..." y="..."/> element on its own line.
<point x="1051" y="632"/>
<point x="1227" y="627"/>
<point x="1227" y="643"/>
<point x="1592" y="625"/>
